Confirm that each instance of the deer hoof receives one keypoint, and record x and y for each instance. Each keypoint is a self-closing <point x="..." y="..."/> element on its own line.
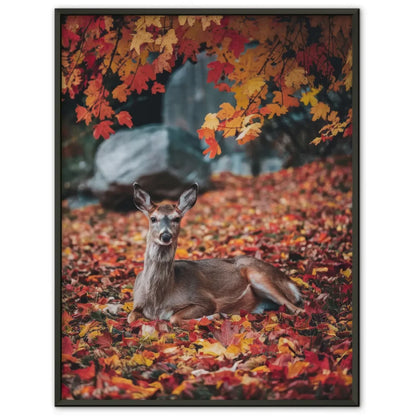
<point x="133" y="316"/>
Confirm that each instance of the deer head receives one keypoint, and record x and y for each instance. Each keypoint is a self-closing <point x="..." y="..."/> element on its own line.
<point x="164" y="219"/>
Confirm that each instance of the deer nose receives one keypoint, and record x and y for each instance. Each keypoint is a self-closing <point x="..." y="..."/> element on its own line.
<point x="166" y="237"/>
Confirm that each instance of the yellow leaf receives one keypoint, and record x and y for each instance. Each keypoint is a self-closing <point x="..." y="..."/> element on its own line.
<point x="211" y="121"/>
<point x="140" y="38"/>
<point x="215" y="349"/>
<point x="179" y="389"/>
<point x="240" y="97"/>
<point x="249" y="133"/>
<point x="295" y="369"/>
<point x="206" y="21"/>
<point x="226" y="112"/>
<point x="236" y="318"/>
<point x="141" y="359"/>
<point x="299" y="282"/>
<point x="231" y="126"/>
<point x="181" y="253"/>
<point x="113" y="361"/>
<point x="347" y="273"/>
<point x="253" y="85"/>
<point x="261" y="369"/>
<point x="152" y="21"/>
<point x="316" y="140"/>
<point x="320" y="110"/>
<point x="286" y="346"/>
<point x="186" y="19"/>
<point x="233" y="351"/>
<point x="127" y="307"/>
<point x="167" y="41"/>
<point x="319" y="269"/>
<point x="309" y="97"/>
<point x="87" y="327"/>
<point x="348" y="81"/>
<point x="250" y="118"/>
<point x="296" y="78"/>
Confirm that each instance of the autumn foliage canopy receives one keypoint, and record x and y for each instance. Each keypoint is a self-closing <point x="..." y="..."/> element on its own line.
<point x="271" y="64"/>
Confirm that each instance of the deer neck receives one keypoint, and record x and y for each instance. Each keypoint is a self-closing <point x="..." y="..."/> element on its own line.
<point x="158" y="271"/>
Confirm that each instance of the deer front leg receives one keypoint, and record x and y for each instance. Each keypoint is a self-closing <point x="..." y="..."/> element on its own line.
<point x="192" y="312"/>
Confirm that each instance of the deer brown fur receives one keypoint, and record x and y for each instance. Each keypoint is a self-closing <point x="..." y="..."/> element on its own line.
<point x="181" y="290"/>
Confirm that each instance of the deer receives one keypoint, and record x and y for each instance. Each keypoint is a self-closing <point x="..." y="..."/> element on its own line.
<point x="181" y="290"/>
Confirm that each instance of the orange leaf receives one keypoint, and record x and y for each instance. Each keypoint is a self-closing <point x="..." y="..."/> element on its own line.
<point x="121" y="92"/>
<point x="157" y="88"/>
<point x="124" y="118"/>
<point x="103" y="129"/>
<point x="83" y="114"/>
<point x="295" y="369"/>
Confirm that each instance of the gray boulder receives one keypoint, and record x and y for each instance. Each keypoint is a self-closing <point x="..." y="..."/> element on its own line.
<point x="164" y="160"/>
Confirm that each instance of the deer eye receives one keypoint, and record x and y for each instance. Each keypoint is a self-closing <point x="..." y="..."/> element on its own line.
<point x="153" y="219"/>
<point x="176" y="219"/>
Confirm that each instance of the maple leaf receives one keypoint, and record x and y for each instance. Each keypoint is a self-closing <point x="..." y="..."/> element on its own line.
<point x="217" y="69"/>
<point x="223" y="87"/>
<point x="94" y="91"/>
<point x="139" y="80"/>
<point x="103" y="129"/>
<point x="320" y="110"/>
<point x="309" y="97"/>
<point x="121" y="92"/>
<point x="207" y="20"/>
<point x="103" y="109"/>
<point x="249" y="133"/>
<point x="285" y="98"/>
<point x="273" y="110"/>
<point x="253" y="85"/>
<point x="161" y="63"/>
<point x="124" y="118"/>
<point x="237" y="44"/>
<point x="156" y="87"/>
<point x="211" y="121"/>
<point x="167" y="41"/>
<point x="190" y="20"/>
<point x="206" y="133"/>
<point x="83" y="114"/>
<point x="227" y="111"/>
<point x="141" y="37"/>
<point x="296" y="78"/>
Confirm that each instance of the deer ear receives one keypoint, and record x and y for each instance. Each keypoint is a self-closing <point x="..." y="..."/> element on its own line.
<point x="188" y="198"/>
<point x="142" y="199"/>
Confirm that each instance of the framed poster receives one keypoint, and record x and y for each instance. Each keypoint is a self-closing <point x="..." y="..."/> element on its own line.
<point x="207" y="207"/>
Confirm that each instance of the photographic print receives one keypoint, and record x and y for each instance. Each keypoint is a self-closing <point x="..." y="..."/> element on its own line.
<point x="207" y="207"/>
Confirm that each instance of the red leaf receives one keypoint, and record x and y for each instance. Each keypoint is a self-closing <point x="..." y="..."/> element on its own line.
<point x="103" y="129"/>
<point x="67" y="347"/>
<point x="217" y="69"/>
<point x="237" y="43"/>
<point x="124" y="118"/>
<point x="86" y="373"/>
<point x="156" y="87"/>
<point x="141" y="77"/>
<point x="348" y="131"/>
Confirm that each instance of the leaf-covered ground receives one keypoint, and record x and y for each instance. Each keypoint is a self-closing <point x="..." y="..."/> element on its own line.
<point x="297" y="219"/>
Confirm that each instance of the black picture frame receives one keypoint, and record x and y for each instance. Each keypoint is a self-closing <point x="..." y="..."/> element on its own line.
<point x="354" y="13"/>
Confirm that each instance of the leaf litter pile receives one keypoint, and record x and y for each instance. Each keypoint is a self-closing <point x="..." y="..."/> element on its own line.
<point x="298" y="219"/>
